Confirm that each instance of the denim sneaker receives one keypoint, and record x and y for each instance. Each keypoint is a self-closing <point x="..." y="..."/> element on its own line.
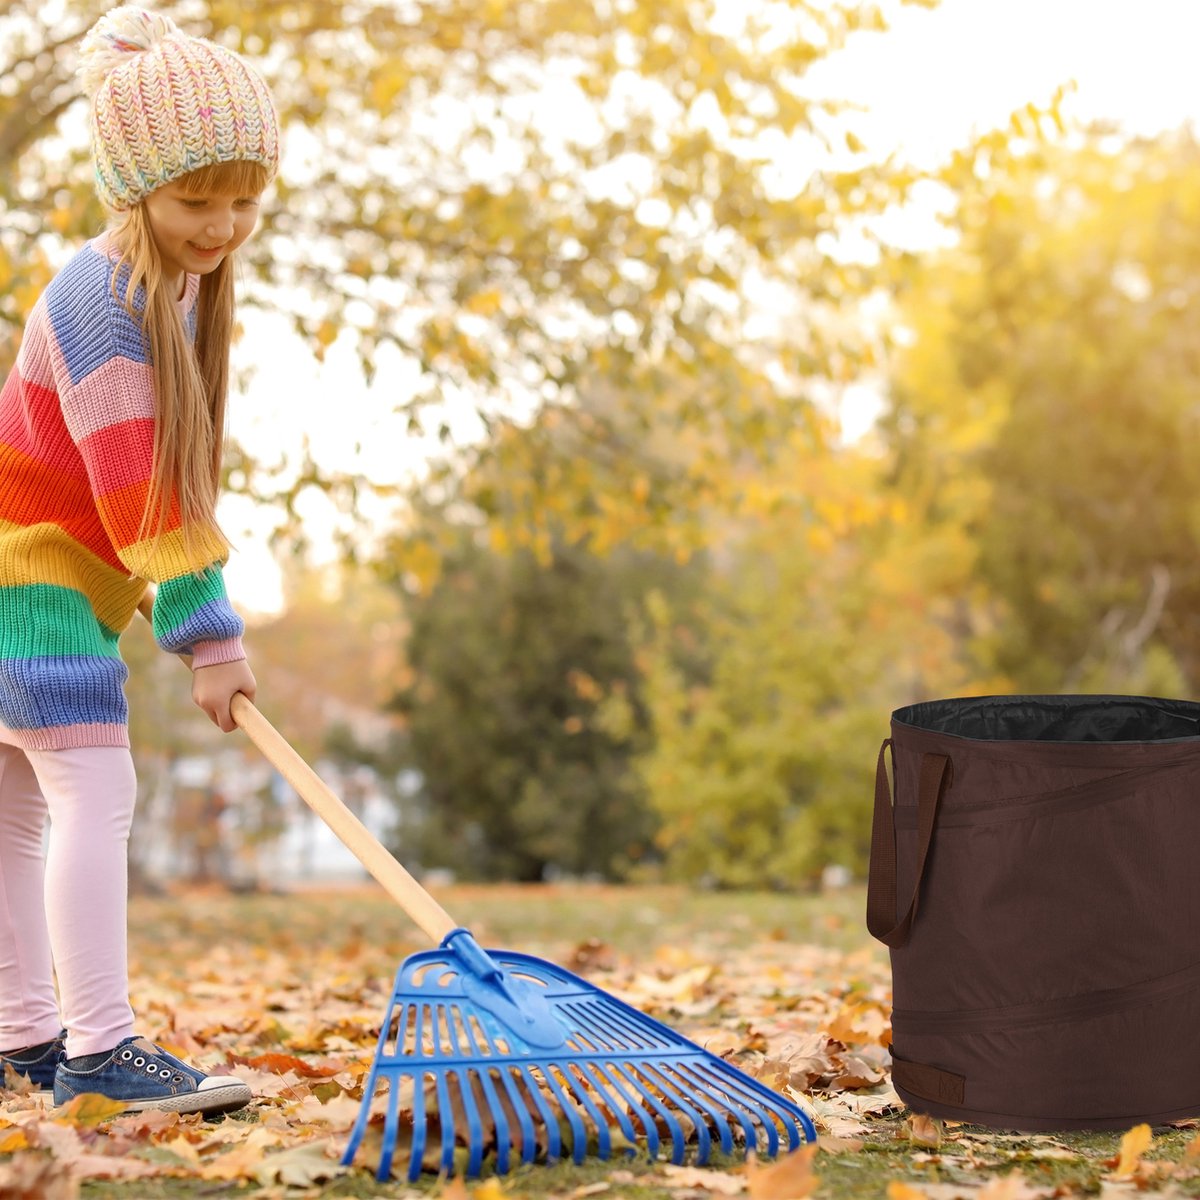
<point x="36" y="1063"/>
<point x="144" y="1075"/>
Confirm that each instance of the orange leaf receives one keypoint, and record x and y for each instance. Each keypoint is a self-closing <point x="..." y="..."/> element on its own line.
<point x="925" y="1131"/>
<point x="13" y="1140"/>
<point x="903" y="1191"/>
<point x="280" y="1064"/>
<point x="1133" y="1145"/>
<point x="790" y="1178"/>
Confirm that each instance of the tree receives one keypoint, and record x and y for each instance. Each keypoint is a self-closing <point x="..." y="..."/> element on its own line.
<point x="833" y="607"/>
<point x="516" y="198"/>
<point x="525" y="710"/>
<point x="1047" y="401"/>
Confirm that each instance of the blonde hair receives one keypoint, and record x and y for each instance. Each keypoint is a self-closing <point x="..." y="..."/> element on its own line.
<point x="190" y="382"/>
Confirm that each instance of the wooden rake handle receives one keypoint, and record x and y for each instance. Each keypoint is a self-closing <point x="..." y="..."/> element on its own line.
<point x="424" y="910"/>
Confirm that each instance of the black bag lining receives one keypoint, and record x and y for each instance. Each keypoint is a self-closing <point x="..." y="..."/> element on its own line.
<point x="1057" y="718"/>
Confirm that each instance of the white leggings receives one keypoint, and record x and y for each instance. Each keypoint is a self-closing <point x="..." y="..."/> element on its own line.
<point x="65" y="914"/>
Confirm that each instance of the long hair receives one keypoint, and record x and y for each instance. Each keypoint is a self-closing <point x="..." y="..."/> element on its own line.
<point x="190" y="382"/>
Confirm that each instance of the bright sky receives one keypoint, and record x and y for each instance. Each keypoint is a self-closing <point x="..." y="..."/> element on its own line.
<point x="930" y="82"/>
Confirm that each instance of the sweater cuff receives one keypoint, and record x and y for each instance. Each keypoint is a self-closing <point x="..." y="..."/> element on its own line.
<point x="210" y="654"/>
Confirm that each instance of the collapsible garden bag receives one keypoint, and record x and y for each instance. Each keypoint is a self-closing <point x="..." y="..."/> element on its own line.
<point x="1037" y="880"/>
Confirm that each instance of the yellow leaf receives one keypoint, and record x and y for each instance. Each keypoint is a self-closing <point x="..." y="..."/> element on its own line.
<point x="903" y="1191"/>
<point x="88" y="1109"/>
<point x="14" y="1140"/>
<point x="1133" y="1145"/>
<point x="490" y="1189"/>
<point x="182" y="1148"/>
<point x="485" y="304"/>
<point x="790" y="1178"/>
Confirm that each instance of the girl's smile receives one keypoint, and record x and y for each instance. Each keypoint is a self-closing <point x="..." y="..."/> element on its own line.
<point x="194" y="231"/>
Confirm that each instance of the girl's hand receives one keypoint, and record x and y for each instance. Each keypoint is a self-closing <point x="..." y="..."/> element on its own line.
<point x="214" y="687"/>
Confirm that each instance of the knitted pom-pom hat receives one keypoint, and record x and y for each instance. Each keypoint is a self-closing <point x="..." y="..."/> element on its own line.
<point x="165" y="103"/>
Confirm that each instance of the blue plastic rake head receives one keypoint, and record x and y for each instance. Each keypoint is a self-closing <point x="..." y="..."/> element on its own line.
<point x="523" y="1058"/>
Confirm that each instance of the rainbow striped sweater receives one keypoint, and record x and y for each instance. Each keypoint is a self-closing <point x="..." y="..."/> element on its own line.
<point x="76" y="443"/>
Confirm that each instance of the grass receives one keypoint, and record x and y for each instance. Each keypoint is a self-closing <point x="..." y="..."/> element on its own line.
<point x="362" y="934"/>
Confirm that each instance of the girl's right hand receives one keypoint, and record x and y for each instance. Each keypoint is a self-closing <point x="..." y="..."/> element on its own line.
<point x="213" y="688"/>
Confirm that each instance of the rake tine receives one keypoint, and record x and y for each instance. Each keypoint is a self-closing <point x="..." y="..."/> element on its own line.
<point x="579" y="1088"/>
<point x="578" y="1131"/>
<point x="675" y="1130"/>
<point x="604" y="1087"/>
<point x="390" y="1129"/>
<point x="614" y="1079"/>
<point x="659" y="1075"/>
<point x="726" y="1100"/>
<point x="712" y="1106"/>
<point x="364" y="1112"/>
<point x="738" y="1100"/>
<point x="554" y="1146"/>
<point x="519" y="1107"/>
<point x="738" y="1097"/>
<point x="483" y="1075"/>
<point x="446" y="1118"/>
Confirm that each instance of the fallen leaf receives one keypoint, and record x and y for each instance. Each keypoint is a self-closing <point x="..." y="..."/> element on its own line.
<point x="703" y="1179"/>
<point x="838" y="1145"/>
<point x="789" y="1178"/>
<point x="87" y="1110"/>
<point x="1134" y="1144"/>
<point x="13" y="1140"/>
<point x="37" y="1177"/>
<point x="924" y="1130"/>
<point x="107" y="1166"/>
<point x="590" y="1189"/>
<point x="300" y="1166"/>
<point x="15" y="1082"/>
<point x="489" y="1189"/>
<point x="904" y="1191"/>
<point x="1012" y="1186"/>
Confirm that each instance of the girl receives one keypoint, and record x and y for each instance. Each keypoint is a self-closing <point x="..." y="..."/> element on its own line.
<point x="111" y="430"/>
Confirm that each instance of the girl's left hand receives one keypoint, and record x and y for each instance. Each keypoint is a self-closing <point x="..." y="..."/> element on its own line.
<point x="213" y="688"/>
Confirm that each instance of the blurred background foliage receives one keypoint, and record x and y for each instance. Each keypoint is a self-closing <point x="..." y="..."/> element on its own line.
<point x="651" y="615"/>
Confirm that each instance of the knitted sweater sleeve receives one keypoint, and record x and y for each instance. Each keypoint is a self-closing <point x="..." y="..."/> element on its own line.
<point x="107" y="397"/>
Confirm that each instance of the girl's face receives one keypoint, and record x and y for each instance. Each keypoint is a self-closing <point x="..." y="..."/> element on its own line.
<point x="194" y="231"/>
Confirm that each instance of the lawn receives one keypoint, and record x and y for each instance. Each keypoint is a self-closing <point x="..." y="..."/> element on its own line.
<point x="289" y="991"/>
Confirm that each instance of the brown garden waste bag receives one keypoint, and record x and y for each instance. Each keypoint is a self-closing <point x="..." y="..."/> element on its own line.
<point x="1037" y="879"/>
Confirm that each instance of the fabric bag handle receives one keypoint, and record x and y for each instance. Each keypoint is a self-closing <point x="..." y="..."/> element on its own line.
<point x="937" y="773"/>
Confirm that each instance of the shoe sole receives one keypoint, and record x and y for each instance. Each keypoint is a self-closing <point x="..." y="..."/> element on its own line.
<point x="212" y="1101"/>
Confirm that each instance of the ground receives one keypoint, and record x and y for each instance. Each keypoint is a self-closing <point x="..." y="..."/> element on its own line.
<point x="289" y="991"/>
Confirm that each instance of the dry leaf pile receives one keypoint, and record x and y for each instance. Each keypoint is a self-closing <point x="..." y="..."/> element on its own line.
<point x="289" y="995"/>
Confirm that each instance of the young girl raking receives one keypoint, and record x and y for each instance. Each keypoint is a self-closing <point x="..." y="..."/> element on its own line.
<point x="111" y="431"/>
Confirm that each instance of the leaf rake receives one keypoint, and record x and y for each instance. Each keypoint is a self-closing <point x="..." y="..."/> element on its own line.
<point x="522" y="1058"/>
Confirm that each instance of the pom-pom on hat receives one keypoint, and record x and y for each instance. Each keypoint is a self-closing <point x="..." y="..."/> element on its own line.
<point x="164" y="103"/>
